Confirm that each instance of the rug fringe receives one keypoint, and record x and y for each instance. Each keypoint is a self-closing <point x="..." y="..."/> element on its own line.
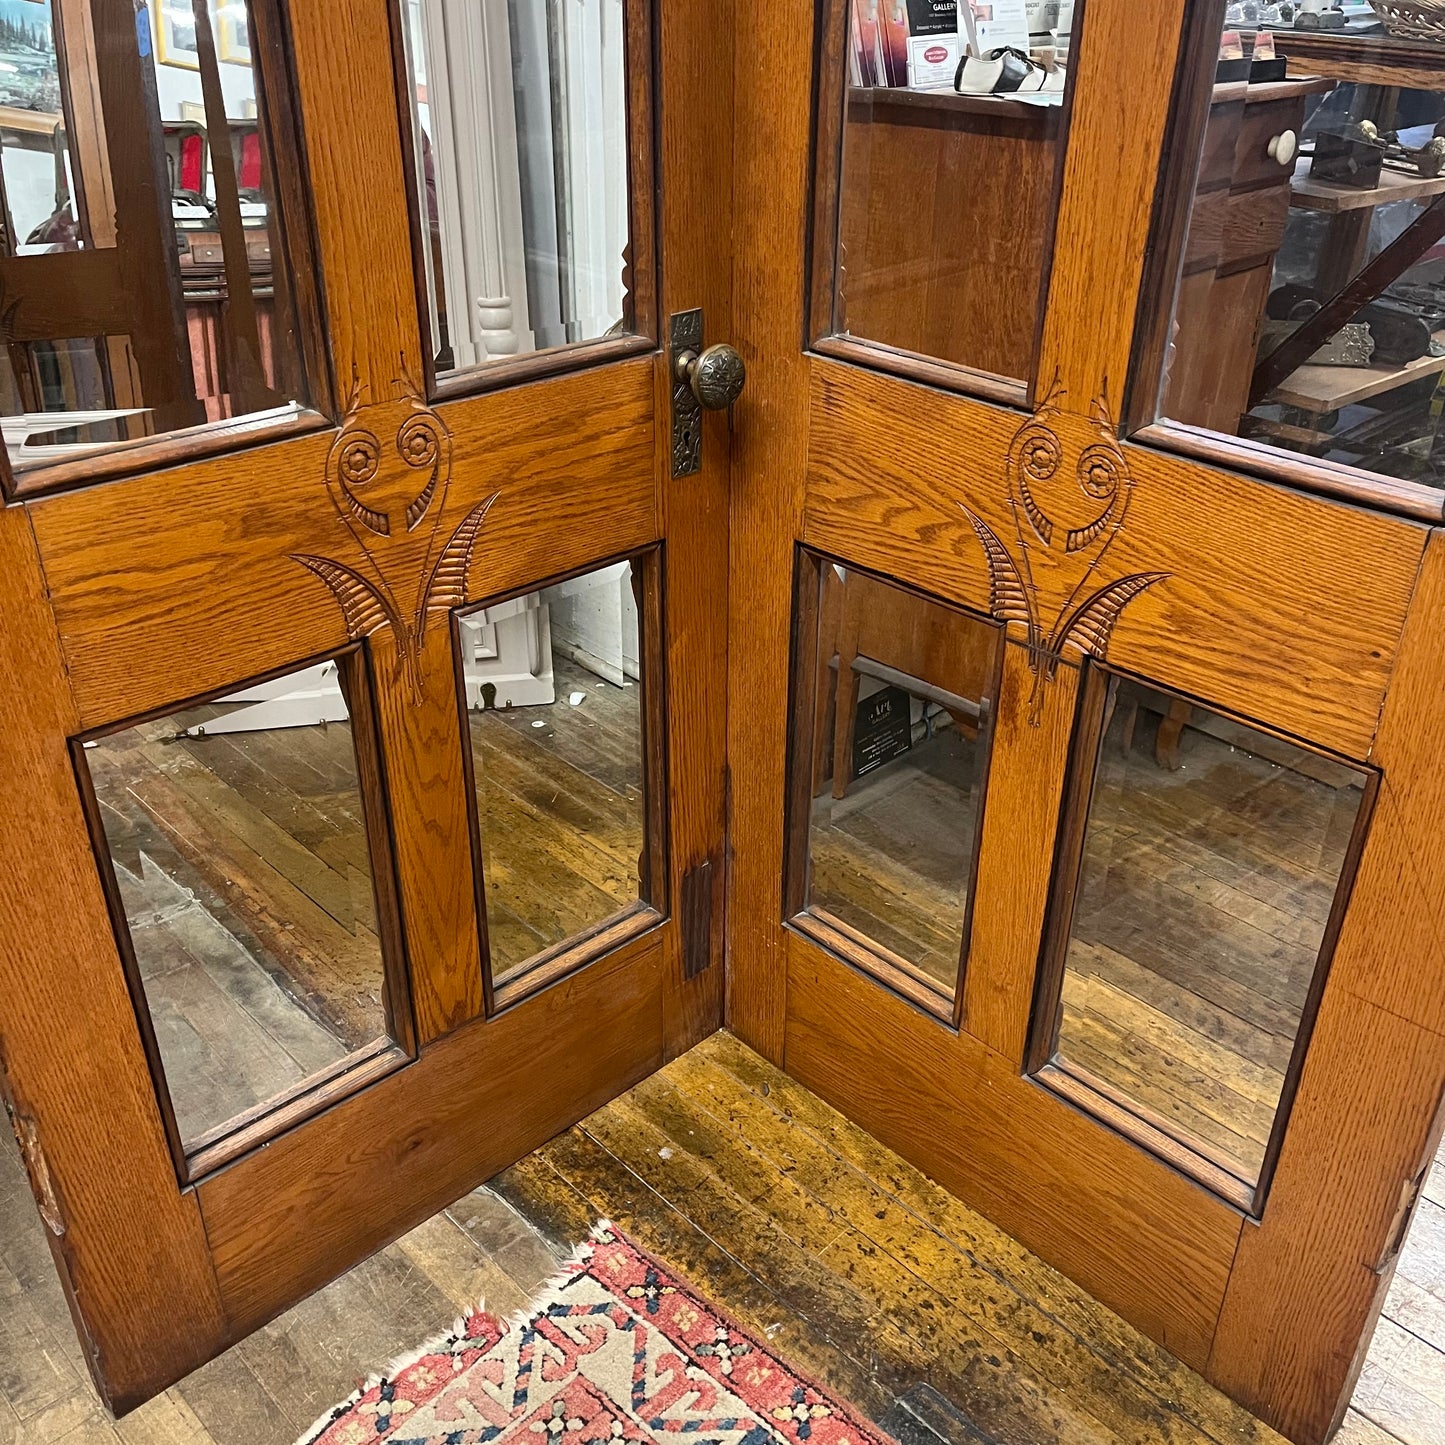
<point x="551" y="1293"/>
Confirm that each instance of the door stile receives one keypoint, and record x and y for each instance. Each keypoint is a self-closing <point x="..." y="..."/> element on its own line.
<point x="1118" y="117"/>
<point x="126" y="1242"/>
<point x="772" y="127"/>
<point x="1312" y="1274"/>
<point x="694" y="88"/>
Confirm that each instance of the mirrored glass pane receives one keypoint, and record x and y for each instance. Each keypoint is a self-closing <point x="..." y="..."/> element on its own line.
<point x="554" y="689"/>
<point x="1211" y="859"/>
<point x="519" y="131"/>
<point x="236" y="839"/>
<point x="145" y="263"/>
<point x="952" y="135"/>
<point x="1310" y="313"/>
<point x="902" y="702"/>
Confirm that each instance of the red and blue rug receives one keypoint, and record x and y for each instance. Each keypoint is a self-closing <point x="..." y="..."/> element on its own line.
<point x="617" y="1349"/>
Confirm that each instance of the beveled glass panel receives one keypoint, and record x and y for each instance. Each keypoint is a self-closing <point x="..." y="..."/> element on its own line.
<point x="238" y="850"/>
<point x="902" y="698"/>
<point x="554" y="684"/>
<point x="952" y="136"/>
<point x="1309" y="313"/>
<point x="146" y="263"/>
<point x="519" y="123"/>
<point x="1211" y="861"/>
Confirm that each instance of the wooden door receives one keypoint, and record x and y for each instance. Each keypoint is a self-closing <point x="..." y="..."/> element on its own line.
<point x="1001" y="845"/>
<point x="451" y="924"/>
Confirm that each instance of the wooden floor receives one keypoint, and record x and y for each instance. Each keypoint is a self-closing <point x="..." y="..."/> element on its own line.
<point x="852" y="1263"/>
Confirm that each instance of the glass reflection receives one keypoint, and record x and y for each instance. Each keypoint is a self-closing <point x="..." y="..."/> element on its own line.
<point x="902" y="705"/>
<point x="519" y="127"/>
<point x="952" y="134"/>
<point x="236" y="839"/>
<point x="140" y="196"/>
<point x="1211" y="860"/>
<point x="554" y="689"/>
<point x="1310" y="313"/>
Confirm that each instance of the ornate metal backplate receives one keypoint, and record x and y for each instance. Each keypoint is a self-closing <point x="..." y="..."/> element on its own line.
<point x="684" y="334"/>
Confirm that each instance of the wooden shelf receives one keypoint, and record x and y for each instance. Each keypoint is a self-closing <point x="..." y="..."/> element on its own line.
<point x="1313" y="195"/>
<point x="926" y="104"/>
<point x="1320" y="389"/>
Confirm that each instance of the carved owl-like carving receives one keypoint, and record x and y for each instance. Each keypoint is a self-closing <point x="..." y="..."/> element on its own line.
<point x="1068" y="496"/>
<point x="388" y="475"/>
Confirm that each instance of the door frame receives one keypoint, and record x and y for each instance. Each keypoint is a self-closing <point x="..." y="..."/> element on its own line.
<point x="1275" y="1311"/>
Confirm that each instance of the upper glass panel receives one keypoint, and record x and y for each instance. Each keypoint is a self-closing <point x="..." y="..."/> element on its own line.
<point x="1212" y="856"/>
<point x="952" y="129"/>
<point x="520" y="139"/>
<point x="555" y="689"/>
<point x="237" y="843"/>
<point x="902" y="696"/>
<point x="1310" y="313"/>
<point x="145" y="266"/>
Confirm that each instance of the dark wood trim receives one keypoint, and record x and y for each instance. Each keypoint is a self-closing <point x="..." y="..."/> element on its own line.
<point x="1095" y="692"/>
<point x="1309" y="474"/>
<point x="988" y="726"/>
<point x="649" y="590"/>
<point x="239" y="1136"/>
<point x="826" y="168"/>
<point x="149" y="454"/>
<point x="563" y="959"/>
<point x="130" y="966"/>
<point x="550" y="964"/>
<point x="537" y="365"/>
<point x="803" y="722"/>
<point x="1413" y="64"/>
<point x="894" y="973"/>
<point x="1318" y="980"/>
<point x="642" y="261"/>
<point x="944" y="375"/>
<point x="62" y="294"/>
<point x="354" y="669"/>
<point x="1133" y="1122"/>
<point x="1174" y="185"/>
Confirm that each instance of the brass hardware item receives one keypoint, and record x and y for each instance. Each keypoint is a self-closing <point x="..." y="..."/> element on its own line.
<point x="710" y="377"/>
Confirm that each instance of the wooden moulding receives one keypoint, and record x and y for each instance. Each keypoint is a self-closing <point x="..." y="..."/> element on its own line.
<point x="546" y="967"/>
<point x="641" y="67"/>
<point x="1134" y="1120"/>
<point x="1039" y="1168"/>
<point x="253" y="1127"/>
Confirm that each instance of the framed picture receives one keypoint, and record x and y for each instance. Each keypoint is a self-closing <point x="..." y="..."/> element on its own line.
<point x="29" y="75"/>
<point x="176" y="34"/>
<point x="235" y="33"/>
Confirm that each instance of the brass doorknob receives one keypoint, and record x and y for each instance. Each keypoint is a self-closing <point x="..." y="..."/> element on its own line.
<point x="715" y="376"/>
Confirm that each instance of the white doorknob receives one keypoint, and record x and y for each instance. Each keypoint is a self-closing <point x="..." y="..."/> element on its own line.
<point x="1282" y="147"/>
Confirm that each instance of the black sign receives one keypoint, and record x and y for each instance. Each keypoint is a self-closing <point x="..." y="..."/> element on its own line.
<point x="883" y="729"/>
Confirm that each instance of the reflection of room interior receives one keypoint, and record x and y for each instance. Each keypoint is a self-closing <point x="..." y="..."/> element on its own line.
<point x="141" y="274"/>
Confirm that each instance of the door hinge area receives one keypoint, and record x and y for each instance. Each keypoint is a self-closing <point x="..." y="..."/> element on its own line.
<point x="695" y="918"/>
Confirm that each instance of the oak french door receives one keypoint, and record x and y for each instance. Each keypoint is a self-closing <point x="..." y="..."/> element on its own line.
<point x="359" y="518"/>
<point x="1085" y="859"/>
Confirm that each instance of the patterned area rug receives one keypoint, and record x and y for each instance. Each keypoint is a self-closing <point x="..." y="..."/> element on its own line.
<point x="617" y="1349"/>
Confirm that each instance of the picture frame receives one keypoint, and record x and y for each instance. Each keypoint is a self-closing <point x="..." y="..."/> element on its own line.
<point x="176" y="34"/>
<point x="234" y="31"/>
<point x="29" y="69"/>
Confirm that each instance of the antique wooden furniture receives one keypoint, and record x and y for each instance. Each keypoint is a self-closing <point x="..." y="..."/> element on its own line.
<point x="995" y="454"/>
